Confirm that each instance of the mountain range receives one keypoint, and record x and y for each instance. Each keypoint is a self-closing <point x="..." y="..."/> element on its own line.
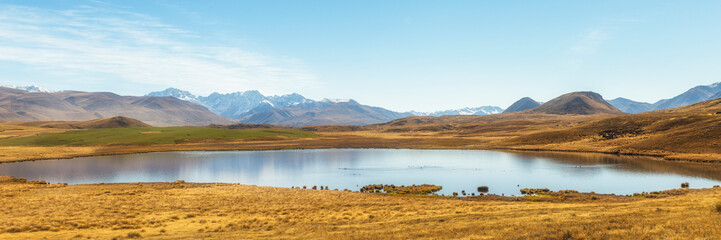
<point x="177" y="107"/>
<point x="295" y="110"/>
<point x="21" y="105"/>
<point x="693" y="95"/>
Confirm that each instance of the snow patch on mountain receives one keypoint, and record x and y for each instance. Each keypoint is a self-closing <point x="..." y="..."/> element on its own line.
<point x="483" y="110"/>
<point x="30" y="88"/>
<point x="234" y="105"/>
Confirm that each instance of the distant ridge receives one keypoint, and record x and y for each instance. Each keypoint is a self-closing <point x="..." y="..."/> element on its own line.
<point x="326" y="112"/>
<point x="522" y="104"/>
<point x="579" y="103"/>
<point x="29" y="88"/>
<point x="630" y="106"/>
<point x="21" y="105"/>
<point x="114" y="122"/>
<point x="691" y="96"/>
<point x="483" y="110"/>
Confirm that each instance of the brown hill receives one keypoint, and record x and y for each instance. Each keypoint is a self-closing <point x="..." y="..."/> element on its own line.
<point x="114" y="122"/>
<point x="693" y="129"/>
<point x="579" y="103"/>
<point x="18" y="105"/>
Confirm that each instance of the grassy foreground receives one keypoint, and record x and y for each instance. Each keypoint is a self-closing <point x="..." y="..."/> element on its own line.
<point x="231" y="211"/>
<point x="147" y="135"/>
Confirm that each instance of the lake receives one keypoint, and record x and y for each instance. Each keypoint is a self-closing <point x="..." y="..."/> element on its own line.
<point x="455" y="170"/>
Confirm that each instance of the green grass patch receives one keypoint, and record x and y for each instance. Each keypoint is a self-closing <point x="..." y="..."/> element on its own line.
<point x="147" y="135"/>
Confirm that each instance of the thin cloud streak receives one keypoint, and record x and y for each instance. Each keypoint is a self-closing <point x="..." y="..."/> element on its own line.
<point x="134" y="48"/>
<point x="591" y="42"/>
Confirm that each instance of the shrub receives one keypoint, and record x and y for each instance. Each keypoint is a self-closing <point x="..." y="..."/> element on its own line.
<point x="717" y="207"/>
<point x="133" y="235"/>
<point x="532" y="191"/>
<point x="414" y="189"/>
<point x="684" y="185"/>
<point x="483" y="189"/>
<point x="566" y="236"/>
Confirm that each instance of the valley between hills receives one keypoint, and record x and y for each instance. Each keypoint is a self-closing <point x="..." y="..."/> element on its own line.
<point x="574" y="122"/>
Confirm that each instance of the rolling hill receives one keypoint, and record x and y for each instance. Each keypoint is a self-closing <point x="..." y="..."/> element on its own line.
<point x="20" y="105"/>
<point x="580" y="103"/>
<point x="114" y="122"/>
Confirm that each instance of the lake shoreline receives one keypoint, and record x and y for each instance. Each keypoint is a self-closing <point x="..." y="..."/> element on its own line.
<point x="222" y="211"/>
<point x="21" y="156"/>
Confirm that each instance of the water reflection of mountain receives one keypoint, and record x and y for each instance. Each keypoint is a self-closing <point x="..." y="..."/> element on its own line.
<point x="349" y="167"/>
<point x="640" y="164"/>
<point x="233" y="166"/>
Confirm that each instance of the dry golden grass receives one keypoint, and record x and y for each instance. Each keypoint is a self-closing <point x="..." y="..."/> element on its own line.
<point x="229" y="211"/>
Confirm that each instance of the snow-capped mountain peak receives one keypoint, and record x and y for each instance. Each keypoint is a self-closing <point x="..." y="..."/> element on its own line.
<point x="176" y="93"/>
<point x="235" y="104"/>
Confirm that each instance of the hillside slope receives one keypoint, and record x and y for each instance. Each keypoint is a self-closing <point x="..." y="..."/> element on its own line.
<point x="522" y="105"/>
<point x="580" y="103"/>
<point x="19" y="105"/>
<point x="677" y="132"/>
<point x="114" y="122"/>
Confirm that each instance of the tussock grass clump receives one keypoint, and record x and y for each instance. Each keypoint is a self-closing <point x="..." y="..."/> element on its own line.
<point x="133" y="235"/>
<point x="684" y="185"/>
<point x="717" y="207"/>
<point x="423" y="189"/>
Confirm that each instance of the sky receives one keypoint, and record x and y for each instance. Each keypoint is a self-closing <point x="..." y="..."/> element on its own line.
<point x="400" y="55"/>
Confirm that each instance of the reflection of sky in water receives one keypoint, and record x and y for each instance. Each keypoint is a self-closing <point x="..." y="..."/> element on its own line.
<point x="455" y="170"/>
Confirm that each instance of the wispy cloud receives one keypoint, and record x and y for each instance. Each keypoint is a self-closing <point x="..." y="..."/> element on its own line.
<point x="136" y="48"/>
<point x="590" y="42"/>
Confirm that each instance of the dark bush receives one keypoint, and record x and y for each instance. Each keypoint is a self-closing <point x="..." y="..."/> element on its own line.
<point x="414" y="189"/>
<point x="533" y="191"/>
<point x="684" y="185"/>
<point x="133" y="235"/>
<point x="483" y="189"/>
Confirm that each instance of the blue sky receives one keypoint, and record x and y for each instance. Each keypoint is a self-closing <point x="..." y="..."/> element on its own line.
<point x="402" y="55"/>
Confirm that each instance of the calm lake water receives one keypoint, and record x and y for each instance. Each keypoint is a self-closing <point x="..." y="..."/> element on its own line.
<point x="455" y="170"/>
